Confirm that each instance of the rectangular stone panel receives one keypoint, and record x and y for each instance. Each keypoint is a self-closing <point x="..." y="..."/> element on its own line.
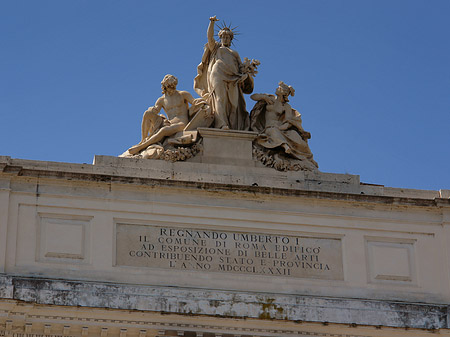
<point x="219" y="251"/>
<point x="63" y="237"/>
<point x="390" y="260"/>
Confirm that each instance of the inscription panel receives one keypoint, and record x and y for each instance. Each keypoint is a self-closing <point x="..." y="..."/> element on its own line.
<point x="228" y="251"/>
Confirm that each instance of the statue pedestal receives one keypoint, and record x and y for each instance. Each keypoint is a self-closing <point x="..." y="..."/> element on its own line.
<point x="227" y="147"/>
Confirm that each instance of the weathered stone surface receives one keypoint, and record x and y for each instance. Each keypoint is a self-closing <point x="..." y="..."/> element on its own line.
<point x="227" y="303"/>
<point x="109" y="169"/>
<point x="6" y="287"/>
<point x="61" y="223"/>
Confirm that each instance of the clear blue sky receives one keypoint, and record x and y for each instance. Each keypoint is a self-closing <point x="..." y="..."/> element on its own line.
<point x="372" y="78"/>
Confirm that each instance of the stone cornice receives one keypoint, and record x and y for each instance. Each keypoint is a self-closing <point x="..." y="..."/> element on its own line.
<point x="227" y="304"/>
<point x="92" y="173"/>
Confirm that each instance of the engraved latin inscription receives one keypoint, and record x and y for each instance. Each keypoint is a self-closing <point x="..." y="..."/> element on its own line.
<point x="229" y="251"/>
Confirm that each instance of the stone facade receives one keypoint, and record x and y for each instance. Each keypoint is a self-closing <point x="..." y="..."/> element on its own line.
<point x="87" y="250"/>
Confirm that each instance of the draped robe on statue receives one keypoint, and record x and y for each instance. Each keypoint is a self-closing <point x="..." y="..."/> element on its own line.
<point x="293" y="140"/>
<point x="217" y="82"/>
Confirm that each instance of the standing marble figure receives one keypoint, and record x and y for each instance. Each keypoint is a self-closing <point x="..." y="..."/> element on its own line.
<point x="222" y="79"/>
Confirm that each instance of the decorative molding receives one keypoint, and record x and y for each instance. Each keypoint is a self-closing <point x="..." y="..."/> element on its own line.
<point x="224" y="304"/>
<point x="20" y="324"/>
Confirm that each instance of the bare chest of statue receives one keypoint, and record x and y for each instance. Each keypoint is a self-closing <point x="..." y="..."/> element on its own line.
<point x="175" y="106"/>
<point x="274" y="113"/>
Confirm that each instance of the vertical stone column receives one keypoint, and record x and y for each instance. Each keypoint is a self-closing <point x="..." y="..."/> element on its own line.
<point x="5" y="192"/>
<point x="445" y="194"/>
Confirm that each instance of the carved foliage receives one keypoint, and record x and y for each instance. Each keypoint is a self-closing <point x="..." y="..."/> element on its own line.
<point x="172" y="154"/>
<point x="279" y="161"/>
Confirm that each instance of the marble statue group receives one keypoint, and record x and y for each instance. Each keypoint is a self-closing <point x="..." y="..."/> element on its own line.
<point x="221" y="82"/>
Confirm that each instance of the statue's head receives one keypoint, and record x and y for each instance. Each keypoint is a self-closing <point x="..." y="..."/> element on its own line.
<point x="226" y="36"/>
<point x="284" y="91"/>
<point x="169" y="84"/>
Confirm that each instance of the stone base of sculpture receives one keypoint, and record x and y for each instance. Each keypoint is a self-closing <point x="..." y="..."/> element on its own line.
<point x="182" y="146"/>
<point x="282" y="162"/>
<point x="227" y="147"/>
<point x="224" y="147"/>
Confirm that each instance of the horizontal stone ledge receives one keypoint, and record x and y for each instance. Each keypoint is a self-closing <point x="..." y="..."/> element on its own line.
<point x="212" y="302"/>
<point x="234" y="188"/>
<point x="232" y="134"/>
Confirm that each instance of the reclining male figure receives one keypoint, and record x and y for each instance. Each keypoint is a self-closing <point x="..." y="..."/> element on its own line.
<point x="176" y="105"/>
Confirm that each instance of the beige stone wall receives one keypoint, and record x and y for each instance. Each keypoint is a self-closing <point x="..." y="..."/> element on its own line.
<point x="67" y="228"/>
<point x="73" y="222"/>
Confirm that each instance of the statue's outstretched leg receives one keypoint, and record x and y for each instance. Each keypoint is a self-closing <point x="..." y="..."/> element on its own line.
<point x="163" y="132"/>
